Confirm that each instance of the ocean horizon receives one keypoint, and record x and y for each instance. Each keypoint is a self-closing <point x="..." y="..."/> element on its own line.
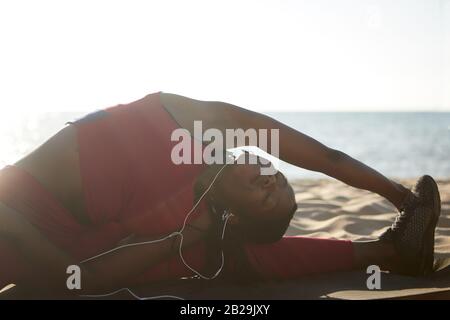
<point x="397" y="144"/>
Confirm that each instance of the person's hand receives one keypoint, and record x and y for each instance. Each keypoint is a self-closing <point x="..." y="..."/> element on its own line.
<point x="403" y="192"/>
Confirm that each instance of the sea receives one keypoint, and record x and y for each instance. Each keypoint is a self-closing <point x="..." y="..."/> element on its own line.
<point x="397" y="144"/>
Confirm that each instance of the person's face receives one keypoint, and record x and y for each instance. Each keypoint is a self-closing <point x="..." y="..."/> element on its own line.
<point x="257" y="201"/>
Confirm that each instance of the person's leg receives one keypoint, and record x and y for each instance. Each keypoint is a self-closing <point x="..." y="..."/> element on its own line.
<point x="406" y="247"/>
<point x="13" y="266"/>
<point x="374" y="252"/>
<point x="294" y="257"/>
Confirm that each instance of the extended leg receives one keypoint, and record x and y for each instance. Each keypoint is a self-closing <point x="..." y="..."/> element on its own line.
<point x="294" y="257"/>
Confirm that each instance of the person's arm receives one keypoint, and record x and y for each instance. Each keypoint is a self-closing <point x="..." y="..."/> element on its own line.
<point x="303" y="151"/>
<point x="108" y="272"/>
<point x="295" y="147"/>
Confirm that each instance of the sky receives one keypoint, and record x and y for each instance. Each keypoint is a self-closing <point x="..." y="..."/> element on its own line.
<point x="280" y="55"/>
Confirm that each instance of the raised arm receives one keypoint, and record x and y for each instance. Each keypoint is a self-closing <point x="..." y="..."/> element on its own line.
<point x="303" y="151"/>
<point x="294" y="147"/>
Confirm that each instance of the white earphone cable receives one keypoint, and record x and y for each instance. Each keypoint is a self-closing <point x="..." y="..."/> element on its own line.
<point x="225" y="217"/>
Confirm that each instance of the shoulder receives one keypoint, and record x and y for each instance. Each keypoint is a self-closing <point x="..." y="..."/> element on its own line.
<point x="213" y="114"/>
<point x="176" y="103"/>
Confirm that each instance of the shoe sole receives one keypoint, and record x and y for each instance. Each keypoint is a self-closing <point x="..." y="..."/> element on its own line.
<point x="426" y="264"/>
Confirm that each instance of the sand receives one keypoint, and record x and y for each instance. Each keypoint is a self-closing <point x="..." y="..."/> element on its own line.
<point x="331" y="209"/>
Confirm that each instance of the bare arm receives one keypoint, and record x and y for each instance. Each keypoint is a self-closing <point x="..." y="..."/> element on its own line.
<point x="295" y="147"/>
<point x="305" y="152"/>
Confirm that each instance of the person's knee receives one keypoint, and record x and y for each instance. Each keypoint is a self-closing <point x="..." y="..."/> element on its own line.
<point x="12" y="226"/>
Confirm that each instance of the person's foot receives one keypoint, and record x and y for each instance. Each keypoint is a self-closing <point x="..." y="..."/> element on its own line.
<point x="412" y="233"/>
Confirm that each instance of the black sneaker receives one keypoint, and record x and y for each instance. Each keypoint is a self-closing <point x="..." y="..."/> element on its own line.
<point x="412" y="232"/>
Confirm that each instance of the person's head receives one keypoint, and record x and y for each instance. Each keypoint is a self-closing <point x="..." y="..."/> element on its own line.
<point x="262" y="206"/>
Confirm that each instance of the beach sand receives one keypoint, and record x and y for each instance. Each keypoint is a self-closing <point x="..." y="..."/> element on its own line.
<point x="331" y="209"/>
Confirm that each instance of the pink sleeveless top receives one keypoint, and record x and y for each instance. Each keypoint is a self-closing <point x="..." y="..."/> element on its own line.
<point x="130" y="184"/>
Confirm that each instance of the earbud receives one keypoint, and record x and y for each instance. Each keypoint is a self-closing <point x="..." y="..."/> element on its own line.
<point x="230" y="158"/>
<point x="226" y="214"/>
